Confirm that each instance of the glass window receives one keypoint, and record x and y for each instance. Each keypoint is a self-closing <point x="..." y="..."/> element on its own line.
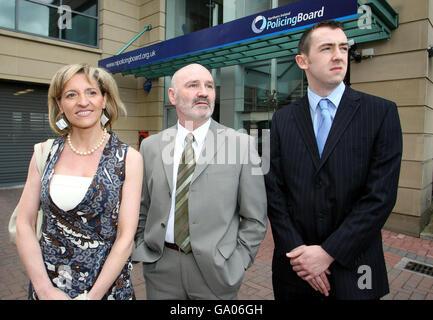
<point x="285" y="2"/>
<point x="83" y="30"/>
<point x="170" y="116"/>
<point x="71" y="20"/>
<point x="252" y="92"/>
<point x="7" y="14"/>
<point x="54" y="2"/>
<point x="89" y="7"/>
<point x="186" y="16"/>
<point x="197" y="17"/>
<point x="255" y="6"/>
<point x="38" y="19"/>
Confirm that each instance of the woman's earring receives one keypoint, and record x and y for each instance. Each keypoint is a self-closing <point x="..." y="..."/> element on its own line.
<point x="104" y="118"/>
<point x="61" y="124"/>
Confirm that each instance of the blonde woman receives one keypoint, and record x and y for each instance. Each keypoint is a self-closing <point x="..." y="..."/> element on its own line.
<point x="89" y="192"/>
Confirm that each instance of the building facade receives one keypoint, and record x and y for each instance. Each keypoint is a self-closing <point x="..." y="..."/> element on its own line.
<point x="36" y="41"/>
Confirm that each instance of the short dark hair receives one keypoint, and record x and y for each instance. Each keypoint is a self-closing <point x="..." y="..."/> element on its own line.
<point x="304" y="42"/>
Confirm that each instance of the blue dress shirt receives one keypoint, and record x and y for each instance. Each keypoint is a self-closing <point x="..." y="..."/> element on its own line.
<point x="313" y="99"/>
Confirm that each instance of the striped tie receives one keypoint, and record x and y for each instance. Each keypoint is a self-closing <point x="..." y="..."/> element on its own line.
<point x="184" y="175"/>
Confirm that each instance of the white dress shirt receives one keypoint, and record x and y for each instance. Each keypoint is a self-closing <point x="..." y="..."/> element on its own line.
<point x="314" y="99"/>
<point x="199" y="137"/>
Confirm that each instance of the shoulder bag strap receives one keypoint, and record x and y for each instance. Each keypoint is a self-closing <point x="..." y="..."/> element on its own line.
<point x="41" y="156"/>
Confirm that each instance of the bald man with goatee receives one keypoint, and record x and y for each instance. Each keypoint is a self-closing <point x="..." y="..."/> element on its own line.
<point x="203" y="210"/>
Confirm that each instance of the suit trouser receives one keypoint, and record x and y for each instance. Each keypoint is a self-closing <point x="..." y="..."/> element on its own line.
<point x="176" y="276"/>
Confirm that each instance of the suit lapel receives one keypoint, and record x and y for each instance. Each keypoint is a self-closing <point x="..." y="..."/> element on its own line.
<point x="304" y="123"/>
<point x="213" y="141"/>
<point x="167" y="143"/>
<point x="349" y="104"/>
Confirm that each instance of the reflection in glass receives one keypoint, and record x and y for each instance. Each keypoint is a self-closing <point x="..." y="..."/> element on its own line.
<point x="46" y="18"/>
<point x="171" y="116"/>
<point x="186" y="16"/>
<point x="37" y="19"/>
<point x="88" y="7"/>
<point x="33" y="18"/>
<point x="255" y="6"/>
<point x="7" y="14"/>
<point x="261" y="99"/>
<point x="291" y="82"/>
<point x="285" y="2"/>
<point x="54" y="2"/>
<point x="83" y="30"/>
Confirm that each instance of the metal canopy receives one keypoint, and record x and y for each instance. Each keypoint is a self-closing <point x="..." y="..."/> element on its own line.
<point x="383" y="20"/>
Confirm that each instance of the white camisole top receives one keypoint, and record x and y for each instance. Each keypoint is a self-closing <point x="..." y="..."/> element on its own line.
<point x="68" y="191"/>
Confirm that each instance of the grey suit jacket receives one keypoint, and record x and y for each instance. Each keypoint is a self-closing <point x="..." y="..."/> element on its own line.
<point x="227" y="204"/>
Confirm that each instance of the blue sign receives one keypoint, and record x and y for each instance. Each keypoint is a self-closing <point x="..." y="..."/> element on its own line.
<point x="295" y="16"/>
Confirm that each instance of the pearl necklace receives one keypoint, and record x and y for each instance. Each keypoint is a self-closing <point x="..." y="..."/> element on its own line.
<point x="86" y="153"/>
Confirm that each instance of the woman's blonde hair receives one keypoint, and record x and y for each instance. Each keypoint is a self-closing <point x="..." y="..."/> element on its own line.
<point x="106" y="83"/>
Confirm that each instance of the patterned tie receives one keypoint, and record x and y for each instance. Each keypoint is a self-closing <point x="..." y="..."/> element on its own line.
<point x="325" y="125"/>
<point x="184" y="175"/>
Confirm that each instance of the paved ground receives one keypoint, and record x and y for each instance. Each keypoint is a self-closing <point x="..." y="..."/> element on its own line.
<point x="257" y="284"/>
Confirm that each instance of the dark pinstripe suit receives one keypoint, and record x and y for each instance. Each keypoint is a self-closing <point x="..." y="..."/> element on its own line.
<point x="340" y="201"/>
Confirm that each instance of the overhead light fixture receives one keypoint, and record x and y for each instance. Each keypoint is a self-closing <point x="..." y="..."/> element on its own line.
<point x="430" y="51"/>
<point x="23" y="92"/>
